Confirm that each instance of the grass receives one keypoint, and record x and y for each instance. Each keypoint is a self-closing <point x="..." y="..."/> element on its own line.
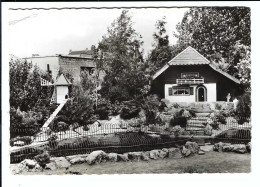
<point x="211" y="162"/>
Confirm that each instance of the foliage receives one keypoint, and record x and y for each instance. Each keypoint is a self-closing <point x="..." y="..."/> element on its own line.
<point x="43" y="159"/>
<point x="181" y="121"/>
<point x="25" y="87"/>
<point x="53" y="141"/>
<point x="102" y="112"/>
<point x="128" y="113"/>
<point x="81" y="105"/>
<point x="244" y="105"/>
<point x="22" y="123"/>
<point x="162" y="52"/>
<point x="177" y="130"/>
<point x="125" y="70"/>
<point x="151" y="104"/>
<point x="222" y="35"/>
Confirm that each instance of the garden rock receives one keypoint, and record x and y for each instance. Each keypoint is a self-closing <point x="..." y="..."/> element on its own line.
<point x="154" y="154"/>
<point x="165" y="150"/>
<point x="206" y="148"/>
<point x="201" y="152"/>
<point x="186" y="114"/>
<point x="192" y="146"/>
<point x="37" y="168"/>
<point x="145" y="156"/>
<point x="208" y="130"/>
<point x="51" y="166"/>
<point x="76" y="156"/>
<point x="240" y="148"/>
<point x="29" y="163"/>
<point x="227" y="148"/>
<point x="77" y="160"/>
<point x="135" y="156"/>
<point x="95" y="157"/>
<point x="123" y="157"/>
<point x="174" y="153"/>
<point x="112" y="157"/>
<point x="163" y="154"/>
<point x="219" y="146"/>
<point x="186" y="152"/>
<point x="61" y="162"/>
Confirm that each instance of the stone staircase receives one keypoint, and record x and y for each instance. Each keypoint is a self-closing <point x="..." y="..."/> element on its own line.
<point x="196" y="124"/>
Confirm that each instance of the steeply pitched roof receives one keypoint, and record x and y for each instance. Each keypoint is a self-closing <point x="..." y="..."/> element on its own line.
<point x="190" y="56"/>
<point x="62" y="81"/>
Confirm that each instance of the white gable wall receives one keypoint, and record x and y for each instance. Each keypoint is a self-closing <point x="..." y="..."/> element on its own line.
<point x="175" y="98"/>
<point x="211" y="93"/>
<point x="62" y="91"/>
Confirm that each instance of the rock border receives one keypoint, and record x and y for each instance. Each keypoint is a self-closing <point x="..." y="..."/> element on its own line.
<point x="96" y="157"/>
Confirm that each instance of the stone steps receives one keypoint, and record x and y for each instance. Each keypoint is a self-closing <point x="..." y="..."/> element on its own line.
<point x="194" y="129"/>
<point x="196" y="124"/>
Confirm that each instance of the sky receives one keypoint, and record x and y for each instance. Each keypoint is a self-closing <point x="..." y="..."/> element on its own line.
<point x="50" y="32"/>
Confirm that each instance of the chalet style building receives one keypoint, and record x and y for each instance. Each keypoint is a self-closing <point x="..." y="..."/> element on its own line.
<point x="190" y="77"/>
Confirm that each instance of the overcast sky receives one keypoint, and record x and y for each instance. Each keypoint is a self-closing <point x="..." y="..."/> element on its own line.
<point x="50" y="32"/>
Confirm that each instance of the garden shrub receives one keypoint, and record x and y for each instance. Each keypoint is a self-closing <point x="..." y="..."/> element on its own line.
<point x="244" y="105"/>
<point x="43" y="158"/>
<point x="102" y="112"/>
<point x="22" y="123"/>
<point x="128" y="113"/>
<point x="242" y="120"/>
<point x="181" y="121"/>
<point x="162" y="106"/>
<point x="53" y="141"/>
<point x="218" y="106"/>
<point x="85" y="128"/>
<point x="177" y="130"/>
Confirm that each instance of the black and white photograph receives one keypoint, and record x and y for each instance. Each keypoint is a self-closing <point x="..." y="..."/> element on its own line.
<point x="128" y="90"/>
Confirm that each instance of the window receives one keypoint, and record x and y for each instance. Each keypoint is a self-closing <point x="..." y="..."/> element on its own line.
<point x="181" y="91"/>
<point x="190" y="75"/>
<point x="170" y="91"/>
<point x="90" y="70"/>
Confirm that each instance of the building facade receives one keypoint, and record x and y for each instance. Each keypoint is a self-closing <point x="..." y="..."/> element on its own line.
<point x="73" y="64"/>
<point x="190" y="77"/>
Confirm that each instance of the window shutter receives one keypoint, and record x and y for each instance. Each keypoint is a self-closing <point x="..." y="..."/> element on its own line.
<point x="170" y="91"/>
<point x="191" y="90"/>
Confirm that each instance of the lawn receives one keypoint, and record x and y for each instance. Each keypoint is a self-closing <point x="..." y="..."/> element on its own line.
<point x="211" y="162"/>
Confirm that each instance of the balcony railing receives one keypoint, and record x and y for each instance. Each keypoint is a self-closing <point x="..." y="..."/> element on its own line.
<point x="189" y="81"/>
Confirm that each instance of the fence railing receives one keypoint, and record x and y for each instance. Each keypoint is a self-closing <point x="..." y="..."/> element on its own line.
<point x="189" y="81"/>
<point x="193" y="126"/>
<point x="122" y="137"/>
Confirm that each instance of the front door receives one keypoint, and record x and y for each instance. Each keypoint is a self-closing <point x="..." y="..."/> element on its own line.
<point x="201" y="94"/>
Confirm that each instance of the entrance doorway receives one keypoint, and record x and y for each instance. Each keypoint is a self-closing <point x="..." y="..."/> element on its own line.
<point x="201" y="93"/>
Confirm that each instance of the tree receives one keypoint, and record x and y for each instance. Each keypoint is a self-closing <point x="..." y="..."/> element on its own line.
<point x="123" y="60"/>
<point x="162" y="52"/>
<point x="25" y="85"/>
<point x="216" y="33"/>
